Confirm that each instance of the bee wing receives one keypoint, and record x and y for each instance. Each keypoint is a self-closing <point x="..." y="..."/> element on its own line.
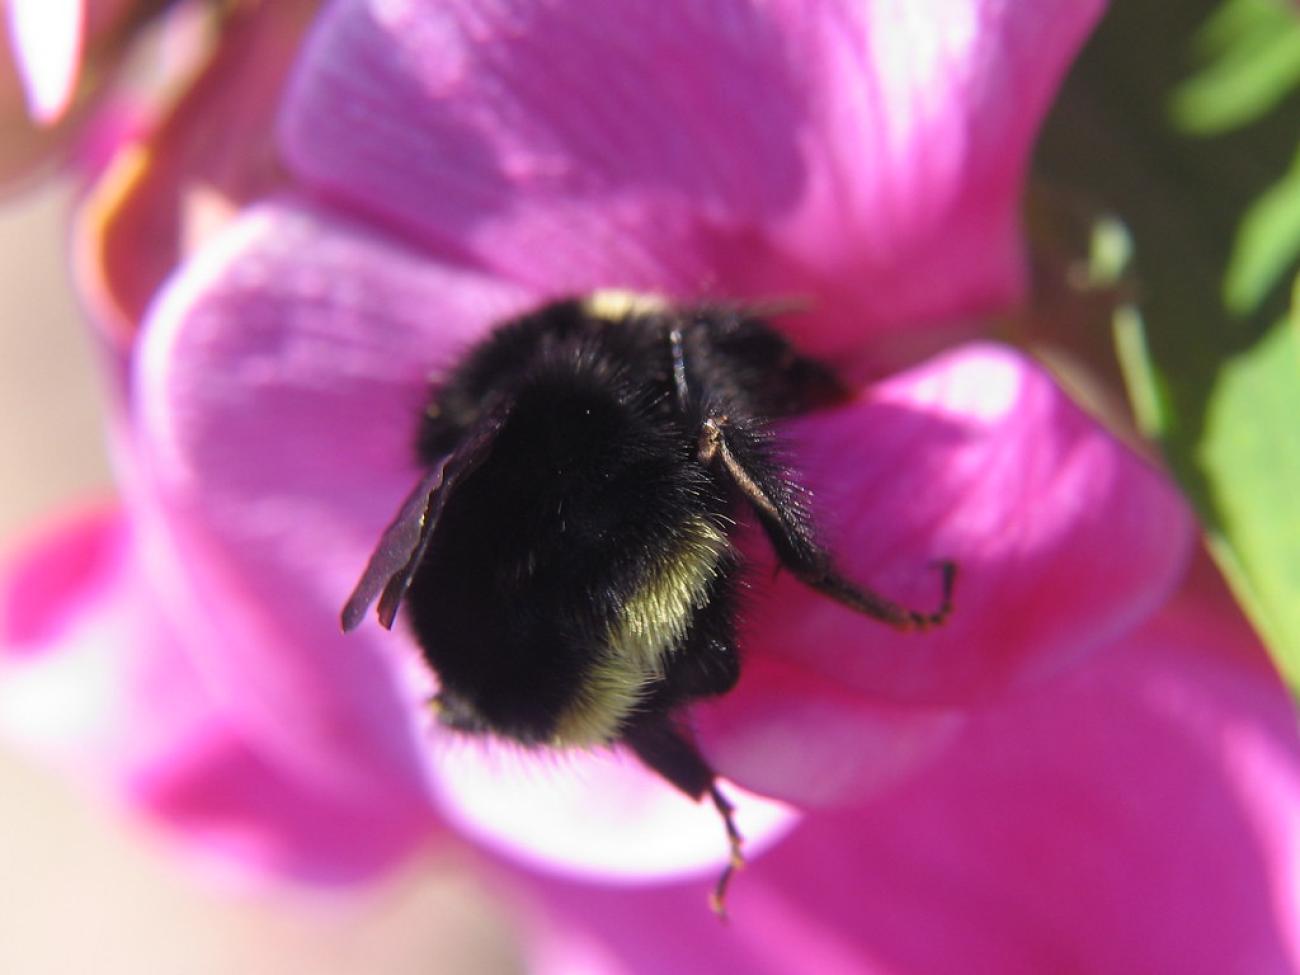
<point x="401" y="547"/>
<point x="397" y="547"/>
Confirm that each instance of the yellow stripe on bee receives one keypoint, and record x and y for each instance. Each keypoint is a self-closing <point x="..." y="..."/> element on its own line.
<point x="613" y="305"/>
<point x="651" y="626"/>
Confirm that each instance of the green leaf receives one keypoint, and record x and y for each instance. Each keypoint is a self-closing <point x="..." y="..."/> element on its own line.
<point x="1267" y="244"/>
<point x="1251" y="430"/>
<point x="1251" y="55"/>
<point x="1215" y="229"/>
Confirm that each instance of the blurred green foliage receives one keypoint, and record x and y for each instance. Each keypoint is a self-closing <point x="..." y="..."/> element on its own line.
<point x="1183" y="120"/>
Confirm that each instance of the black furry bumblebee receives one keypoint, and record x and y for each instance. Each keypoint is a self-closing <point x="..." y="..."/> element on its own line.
<point x="566" y="563"/>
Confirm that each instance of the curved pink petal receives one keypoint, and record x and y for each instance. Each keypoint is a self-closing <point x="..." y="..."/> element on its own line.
<point x="865" y="156"/>
<point x="1063" y="538"/>
<point x="279" y="381"/>
<point x="93" y="677"/>
<point x="1136" y="816"/>
<point x="595" y="814"/>
<point x="809" y="739"/>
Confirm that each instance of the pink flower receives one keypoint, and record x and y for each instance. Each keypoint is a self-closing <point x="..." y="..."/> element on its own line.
<point x="453" y="163"/>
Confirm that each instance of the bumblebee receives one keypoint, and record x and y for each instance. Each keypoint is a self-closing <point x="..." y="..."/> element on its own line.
<point x="567" y="562"/>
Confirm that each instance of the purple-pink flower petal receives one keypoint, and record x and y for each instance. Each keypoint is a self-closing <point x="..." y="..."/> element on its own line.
<point x="866" y="157"/>
<point x="1136" y="816"/>
<point x="94" y="678"/>
<point x="278" y="386"/>
<point x="596" y="814"/>
<point x="1063" y="538"/>
<point x="792" y="733"/>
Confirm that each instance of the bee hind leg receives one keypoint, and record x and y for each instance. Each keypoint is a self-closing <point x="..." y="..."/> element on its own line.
<point x="782" y="509"/>
<point x="669" y="751"/>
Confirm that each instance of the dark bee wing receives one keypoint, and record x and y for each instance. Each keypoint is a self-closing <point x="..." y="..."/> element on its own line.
<point x="397" y="546"/>
<point x="391" y="567"/>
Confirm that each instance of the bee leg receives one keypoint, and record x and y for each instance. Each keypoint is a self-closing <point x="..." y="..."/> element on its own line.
<point x="718" y="896"/>
<point x="668" y="750"/>
<point x="783" y="513"/>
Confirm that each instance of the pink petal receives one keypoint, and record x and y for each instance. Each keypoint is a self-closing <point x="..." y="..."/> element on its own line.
<point x="95" y="679"/>
<point x="1062" y="536"/>
<point x="279" y="383"/>
<point x="863" y="156"/>
<point x="596" y="814"/>
<point x="1137" y="816"/>
<point x="48" y="36"/>
<point x="791" y="733"/>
